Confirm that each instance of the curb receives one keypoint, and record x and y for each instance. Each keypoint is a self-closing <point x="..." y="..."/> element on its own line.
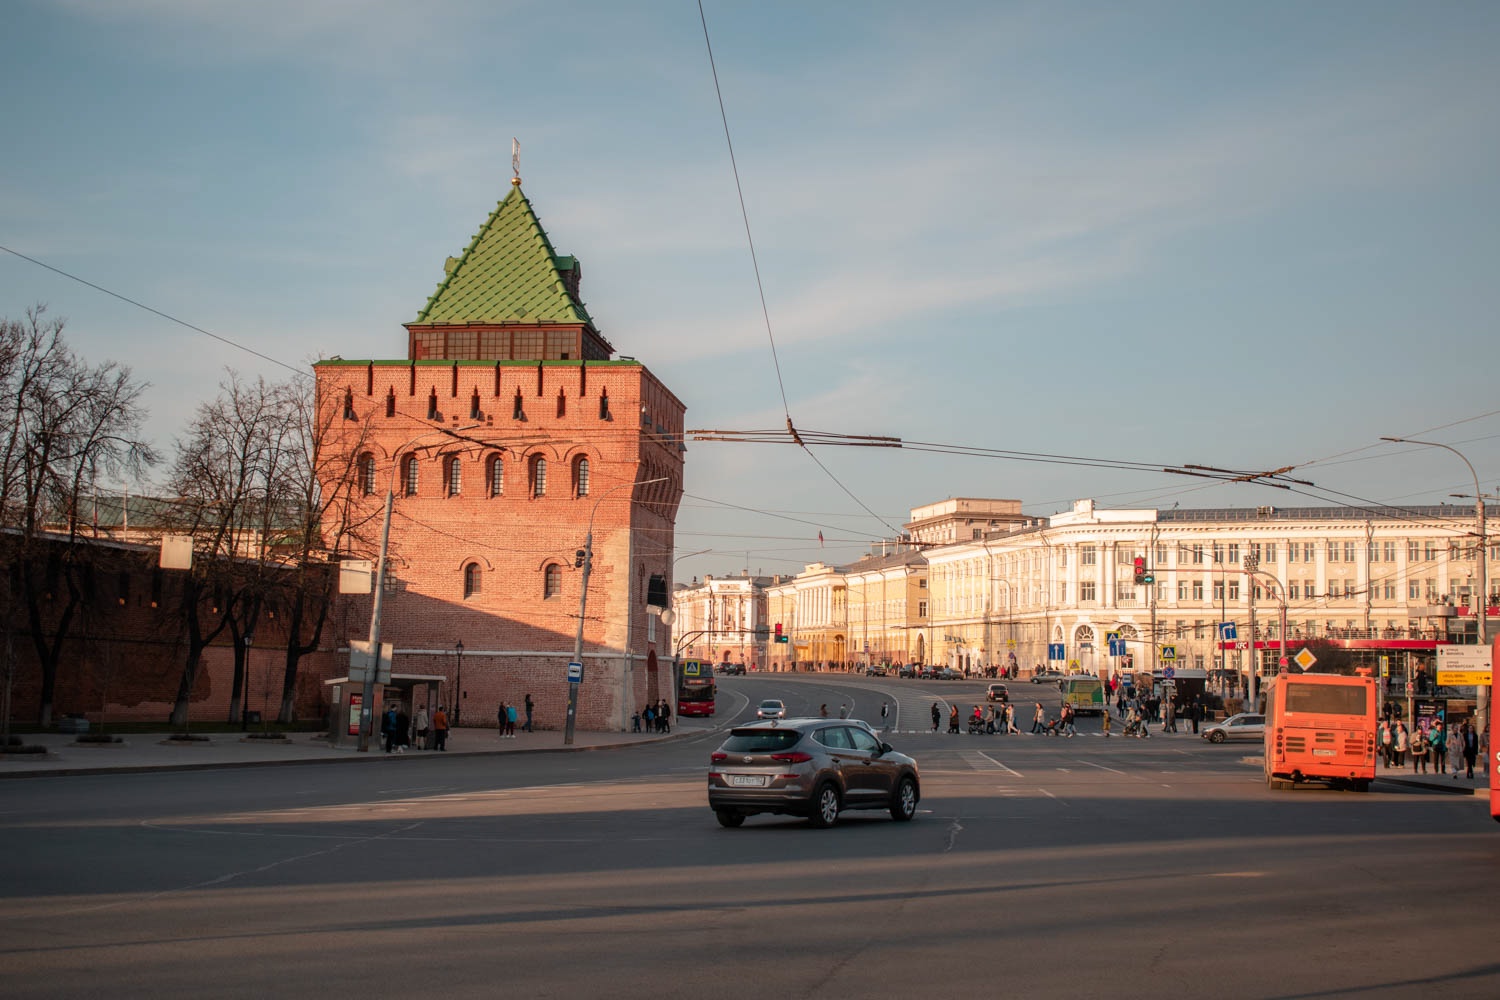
<point x="1435" y="786"/>
<point x="350" y="757"/>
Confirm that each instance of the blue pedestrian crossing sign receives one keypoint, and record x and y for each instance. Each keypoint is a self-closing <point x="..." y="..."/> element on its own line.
<point x="1168" y="654"/>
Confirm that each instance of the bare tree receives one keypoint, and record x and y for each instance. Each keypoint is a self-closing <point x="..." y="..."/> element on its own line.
<point x="66" y="423"/>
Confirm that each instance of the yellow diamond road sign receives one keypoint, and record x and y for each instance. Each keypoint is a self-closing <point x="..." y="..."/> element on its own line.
<point x="1304" y="658"/>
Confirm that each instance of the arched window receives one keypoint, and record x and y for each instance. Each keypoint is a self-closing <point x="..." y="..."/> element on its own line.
<point x="471" y="579"/>
<point x="494" y="474"/>
<point x="552" y="581"/>
<point x="409" y="475"/>
<point x="538" y="476"/>
<point x="580" y="476"/>
<point x="367" y="474"/>
<point x="452" y="476"/>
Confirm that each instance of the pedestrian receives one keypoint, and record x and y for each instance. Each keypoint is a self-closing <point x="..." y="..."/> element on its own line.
<point x="1120" y="700"/>
<point x="664" y="715"/>
<point x="953" y="718"/>
<point x="648" y="717"/>
<point x="1469" y="744"/>
<point x="885" y="714"/>
<point x="440" y="728"/>
<point x="1010" y="719"/>
<point x="1419" y="751"/>
<point x="1039" y="719"/>
<point x="403" y="732"/>
<point x="500" y="719"/>
<point x="823" y="710"/>
<point x="1107" y="717"/>
<point x="937" y="716"/>
<point x="1387" y="743"/>
<point x="844" y="711"/>
<point x="1068" y="714"/>
<point x="1437" y="739"/>
<point x="388" y="728"/>
<point x="510" y="722"/>
<point x="635" y="722"/>
<point x="1170" y="717"/>
<point x="1484" y="751"/>
<point x="422" y="727"/>
<point x="1195" y="714"/>
<point x="1398" y="747"/>
<point x="530" y="705"/>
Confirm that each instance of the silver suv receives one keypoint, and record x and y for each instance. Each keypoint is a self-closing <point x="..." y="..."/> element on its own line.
<point x="809" y="767"/>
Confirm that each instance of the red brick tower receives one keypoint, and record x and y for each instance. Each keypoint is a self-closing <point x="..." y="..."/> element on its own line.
<point x="505" y="432"/>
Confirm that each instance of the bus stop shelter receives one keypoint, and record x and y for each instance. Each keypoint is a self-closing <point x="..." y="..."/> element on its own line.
<point x="408" y="692"/>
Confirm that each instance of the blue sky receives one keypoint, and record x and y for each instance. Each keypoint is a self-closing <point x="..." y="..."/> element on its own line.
<point x="1244" y="235"/>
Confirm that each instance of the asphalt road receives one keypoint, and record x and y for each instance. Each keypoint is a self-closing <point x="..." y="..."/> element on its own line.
<point x="1037" y="867"/>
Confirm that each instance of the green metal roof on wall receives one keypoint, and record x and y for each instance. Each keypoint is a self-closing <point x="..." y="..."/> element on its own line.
<point x="508" y="274"/>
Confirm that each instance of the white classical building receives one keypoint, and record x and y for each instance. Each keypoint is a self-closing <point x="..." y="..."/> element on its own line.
<point x="722" y="619"/>
<point x="1390" y="581"/>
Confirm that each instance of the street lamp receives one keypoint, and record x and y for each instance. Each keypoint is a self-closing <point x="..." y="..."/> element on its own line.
<point x="1482" y="703"/>
<point x="458" y="649"/>
<point x="585" y="561"/>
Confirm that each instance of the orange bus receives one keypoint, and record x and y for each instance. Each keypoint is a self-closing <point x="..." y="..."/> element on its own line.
<point x="1320" y="727"/>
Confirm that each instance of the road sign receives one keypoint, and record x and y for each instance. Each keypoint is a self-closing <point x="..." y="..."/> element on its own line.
<point x="575" y="672"/>
<point x="1305" y="658"/>
<point x="1168" y="653"/>
<point x="1112" y="636"/>
<point x="1169" y="672"/>
<point x="1228" y="632"/>
<point x="1055" y="651"/>
<point x="360" y="661"/>
<point x="1385" y="666"/>
<point x="1010" y="644"/>
<point x="692" y="668"/>
<point x="1463" y="658"/>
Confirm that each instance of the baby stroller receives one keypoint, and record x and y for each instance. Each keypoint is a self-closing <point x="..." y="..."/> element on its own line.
<point x="1137" y="727"/>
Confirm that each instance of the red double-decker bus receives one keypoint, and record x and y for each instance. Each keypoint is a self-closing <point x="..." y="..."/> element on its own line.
<point x="695" y="688"/>
<point x="1320" y="727"/>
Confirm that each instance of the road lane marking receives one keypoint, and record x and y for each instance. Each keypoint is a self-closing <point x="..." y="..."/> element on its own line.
<point x="1052" y="797"/>
<point x="1001" y="766"/>
<point x="1102" y="767"/>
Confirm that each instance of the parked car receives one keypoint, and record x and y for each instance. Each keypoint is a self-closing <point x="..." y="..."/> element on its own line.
<point x="875" y="670"/>
<point x="726" y="669"/>
<point x="997" y="692"/>
<point x="928" y="672"/>
<point x="815" y="768"/>
<point x="1047" y="676"/>
<point x="1245" y="726"/>
<point x="771" y="708"/>
<point x="907" y="670"/>
<point x="950" y="674"/>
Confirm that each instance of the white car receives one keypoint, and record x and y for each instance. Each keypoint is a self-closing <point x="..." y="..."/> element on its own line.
<point x="771" y="708"/>
<point x="1245" y="726"/>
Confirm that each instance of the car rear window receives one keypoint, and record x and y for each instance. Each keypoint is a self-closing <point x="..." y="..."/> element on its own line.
<point x="760" y="740"/>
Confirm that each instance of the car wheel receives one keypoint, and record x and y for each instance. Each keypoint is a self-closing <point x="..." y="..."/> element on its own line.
<point x="729" y="818"/>
<point x="1217" y="736"/>
<point x="825" y="811"/>
<point x="904" y="805"/>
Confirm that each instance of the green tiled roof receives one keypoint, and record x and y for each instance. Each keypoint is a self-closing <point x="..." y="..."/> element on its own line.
<point x="508" y="274"/>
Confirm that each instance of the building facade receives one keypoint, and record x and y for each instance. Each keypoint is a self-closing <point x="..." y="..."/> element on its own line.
<point x="1383" y="582"/>
<point x="508" y="438"/>
<point x="722" y="619"/>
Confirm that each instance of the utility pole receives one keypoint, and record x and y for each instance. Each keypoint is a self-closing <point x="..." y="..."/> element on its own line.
<point x="1250" y="566"/>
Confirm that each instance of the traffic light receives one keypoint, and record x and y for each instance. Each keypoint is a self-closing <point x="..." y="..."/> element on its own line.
<point x="1140" y="569"/>
<point x="779" y="636"/>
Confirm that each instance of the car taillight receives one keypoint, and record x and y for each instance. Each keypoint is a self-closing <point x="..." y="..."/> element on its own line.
<point x="796" y="757"/>
<point x="717" y="756"/>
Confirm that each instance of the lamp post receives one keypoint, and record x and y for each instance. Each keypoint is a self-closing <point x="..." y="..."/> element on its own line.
<point x="366" y="718"/>
<point x="585" y="561"/>
<point x="458" y="695"/>
<point x="1482" y="702"/>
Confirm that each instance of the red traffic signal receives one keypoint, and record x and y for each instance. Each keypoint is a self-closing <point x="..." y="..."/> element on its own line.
<point x="778" y="628"/>
<point x="1140" y="569"/>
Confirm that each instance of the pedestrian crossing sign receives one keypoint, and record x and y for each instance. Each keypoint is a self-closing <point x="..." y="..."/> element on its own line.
<point x="1168" y="653"/>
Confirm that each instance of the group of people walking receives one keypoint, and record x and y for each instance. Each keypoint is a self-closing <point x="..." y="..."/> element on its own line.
<point x="1431" y="745"/>
<point x="655" y="717"/>
<point x="507" y="716"/>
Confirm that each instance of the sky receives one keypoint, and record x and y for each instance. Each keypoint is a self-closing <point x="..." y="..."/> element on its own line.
<point x="1249" y="236"/>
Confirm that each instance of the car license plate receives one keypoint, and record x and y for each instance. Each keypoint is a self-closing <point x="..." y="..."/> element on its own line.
<point x="748" y="780"/>
<point x="1322" y="753"/>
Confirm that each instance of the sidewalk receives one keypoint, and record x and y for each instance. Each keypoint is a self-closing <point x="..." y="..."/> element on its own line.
<point x="153" y="751"/>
